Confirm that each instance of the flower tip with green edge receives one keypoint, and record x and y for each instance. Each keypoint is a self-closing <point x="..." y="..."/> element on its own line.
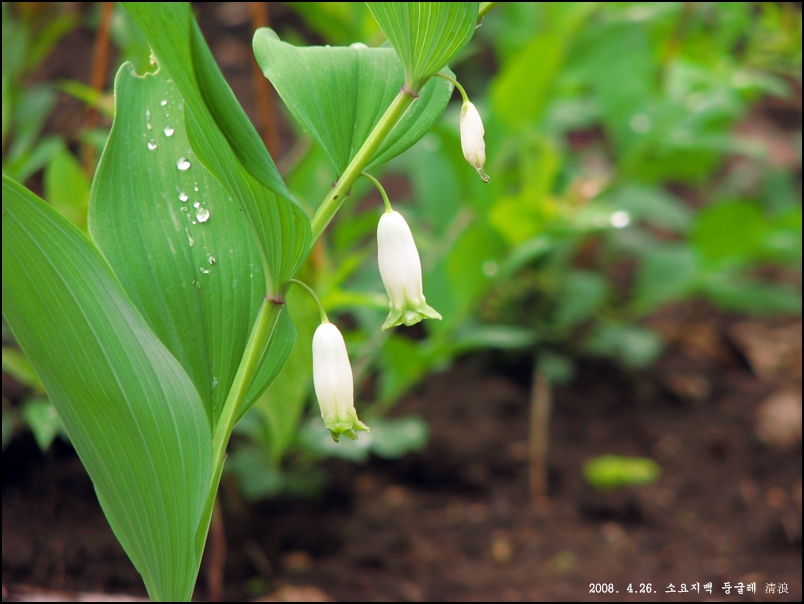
<point x="334" y="385"/>
<point x="472" y="143"/>
<point x="401" y="272"/>
<point x="410" y="316"/>
<point x="349" y="432"/>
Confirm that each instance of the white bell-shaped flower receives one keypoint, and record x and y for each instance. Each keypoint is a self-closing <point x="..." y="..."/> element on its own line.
<point x="334" y="386"/>
<point x="472" y="143"/>
<point x="401" y="271"/>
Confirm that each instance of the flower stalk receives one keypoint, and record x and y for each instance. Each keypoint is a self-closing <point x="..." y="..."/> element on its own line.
<point x="332" y="202"/>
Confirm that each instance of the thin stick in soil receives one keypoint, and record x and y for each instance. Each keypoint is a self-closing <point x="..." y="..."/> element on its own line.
<point x="538" y="439"/>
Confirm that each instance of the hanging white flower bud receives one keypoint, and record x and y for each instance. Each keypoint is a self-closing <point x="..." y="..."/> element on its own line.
<point x="401" y="272"/>
<point x="472" y="143"/>
<point x="334" y="386"/>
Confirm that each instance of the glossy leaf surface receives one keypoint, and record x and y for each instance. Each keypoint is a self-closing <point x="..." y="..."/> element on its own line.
<point x="178" y="242"/>
<point x="225" y="140"/>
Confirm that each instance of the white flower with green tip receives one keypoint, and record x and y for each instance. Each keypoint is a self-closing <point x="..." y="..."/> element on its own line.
<point x="334" y="385"/>
<point x="472" y="142"/>
<point x="401" y="271"/>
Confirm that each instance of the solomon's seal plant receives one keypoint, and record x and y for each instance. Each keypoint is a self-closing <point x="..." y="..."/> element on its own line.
<point x="158" y="332"/>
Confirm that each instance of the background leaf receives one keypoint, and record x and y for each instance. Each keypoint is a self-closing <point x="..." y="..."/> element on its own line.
<point x="131" y="411"/>
<point x="43" y="419"/>
<point x="67" y="188"/>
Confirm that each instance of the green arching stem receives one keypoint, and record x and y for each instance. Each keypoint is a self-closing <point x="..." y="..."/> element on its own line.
<point x="261" y="334"/>
<point x="337" y="194"/>
<point x="270" y="310"/>
<point x="388" y="208"/>
<point x="485" y="7"/>
<point x="313" y="295"/>
<point x="456" y="84"/>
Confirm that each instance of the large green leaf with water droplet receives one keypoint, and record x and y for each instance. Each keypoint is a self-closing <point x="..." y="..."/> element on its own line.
<point x="132" y="412"/>
<point x="232" y="149"/>
<point x="425" y="35"/>
<point x="338" y="94"/>
<point x="174" y="236"/>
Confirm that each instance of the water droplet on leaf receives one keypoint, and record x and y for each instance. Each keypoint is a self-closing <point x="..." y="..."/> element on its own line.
<point x="169" y="131"/>
<point x="152" y="144"/>
<point x="183" y="164"/>
<point x="202" y="214"/>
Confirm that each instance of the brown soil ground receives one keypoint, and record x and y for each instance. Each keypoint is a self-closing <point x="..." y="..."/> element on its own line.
<point x="454" y="522"/>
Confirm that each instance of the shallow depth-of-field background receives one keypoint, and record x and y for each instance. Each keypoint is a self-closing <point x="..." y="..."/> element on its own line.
<point x="637" y="254"/>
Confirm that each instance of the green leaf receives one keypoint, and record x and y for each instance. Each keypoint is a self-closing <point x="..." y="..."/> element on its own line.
<point x="742" y="294"/>
<point x="17" y="365"/>
<point x="522" y="89"/>
<point x="425" y="35"/>
<point x="224" y="140"/>
<point x="582" y="294"/>
<point x="558" y="368"/>
<point x="132" y="413"/>
<point x="389" y="439"/>
<point x="273" y="359"/>
<point x="67" y="188"/>
<point x="193" y="272"/>
<point x="394" y="438"/>
<point x="633" y="345"/>
<point x="668" y="272"/>
<point x="10" y="423"/>
<point x="338" y="94"/>
<point x="654" y="206"/>
<point x="31" y="110"/>
<point x="315" y="437"/>
<point x="403" y="364"/>
<point x="337" y="22"/>
<point x="501" y="337"/>
<point x="730" y="232"/>
<point x="622" y="70"/>
<point x="43" y="419"/>
<point x="613" y="471"/>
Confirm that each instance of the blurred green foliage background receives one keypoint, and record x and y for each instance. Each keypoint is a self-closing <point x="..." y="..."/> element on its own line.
<point x="640" y="154"/>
